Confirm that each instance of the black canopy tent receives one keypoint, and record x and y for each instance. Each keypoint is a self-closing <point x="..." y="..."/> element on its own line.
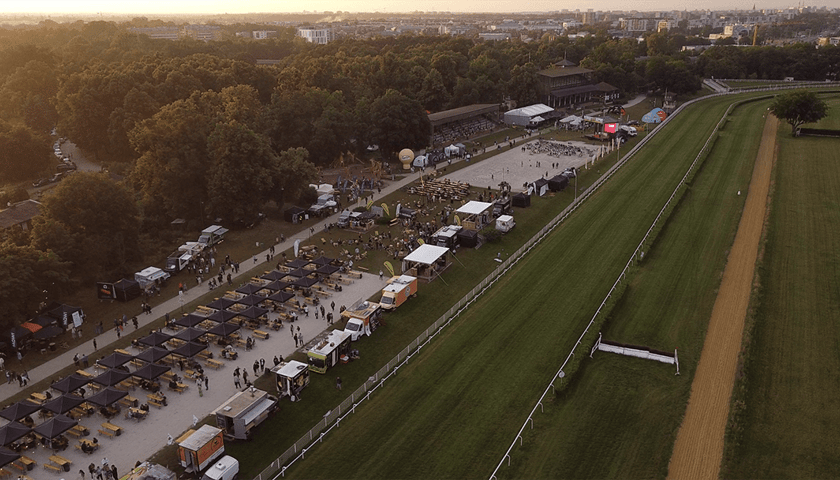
<point x="305" y="282"/>
<point x="467" y="238"/>
<point x="273" y="275"/>
<point x="127" y="289"/>
<point x="558" y="183"/>
<point x="281" y="297"/>
<point x="114" y="360"/>
<point x="7" y="456"/>
<point x="107" y="396"/>
<point x="18" y="410"/>
<point x="111" y="377"/>
<point x="50" y="331"/>
<point x="249" y="288"/>
<point x="151" y="371"/>
<point x="322" y="260"/>
<point x="189" y="349"/>
<point x="522" y="200"/>
<point x="44" y="320"/>
<point x="294" y="215"/>
<point x="64" y="403"/>
<point x="221" y="303"/>
<point x="153" y="354"/>
<point x="221" y="316"/>
<point x="190" y="320"/>
<point x="327" y="269"/>
<point x="155" y="339"/>
<point x="55" y="426"/>
<point x="64" y="313"/>
<point x="224" y="329"/>
<point x="251" y="300"/>
<point x="17" y="336"/>
<point x="253" y="312"/>
<point x="70" y="383"/>
<point x="13" y="432"/>
<point x="276" y="286"/>
<point x="297" y="263"/>
<point x="190" y="334"/>
<point x="298" y="273"/>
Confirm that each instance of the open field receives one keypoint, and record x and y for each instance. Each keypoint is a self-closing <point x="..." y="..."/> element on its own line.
<point x="788" y="402"/>
<point x="451" y="413"/>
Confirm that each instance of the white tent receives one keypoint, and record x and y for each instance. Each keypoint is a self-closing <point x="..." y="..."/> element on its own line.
<point x="523" y="116"/>
<point x="537" y="119"/>
<point x="421" y="161"/>
<point x="474" y="208"/>
<point x="426" y="254"/>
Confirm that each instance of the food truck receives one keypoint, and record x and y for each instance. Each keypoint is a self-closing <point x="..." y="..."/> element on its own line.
<point x="197" y="449"/>
<point x="363" y="319"/>
<point x="291" y="378"/>
<point x="212" y="235"/>
<point x="244" y="411"/>
<point x="328" y="352"/>
<point x="398" y="290"/>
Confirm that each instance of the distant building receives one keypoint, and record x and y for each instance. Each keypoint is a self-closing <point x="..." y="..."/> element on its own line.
<point x="264" y="34"/>
<point x="494" y="36"/>
<point x="19" y="215"/>
<point x="825" y="41"/>
<point x="204" y="33"/>
<point x="158" y="33"/>
<point x="321" y="36"/>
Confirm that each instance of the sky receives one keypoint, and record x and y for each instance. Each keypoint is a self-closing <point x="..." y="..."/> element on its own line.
<point x="148" y="7"/>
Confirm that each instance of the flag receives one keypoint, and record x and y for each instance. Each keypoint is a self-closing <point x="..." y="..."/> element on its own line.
<point x="297" y="247"/>
<point x="370" y="203"/>
<point x="457" y="220"/>
<point x="385" y="207"/>
<point x="390" y="268"/>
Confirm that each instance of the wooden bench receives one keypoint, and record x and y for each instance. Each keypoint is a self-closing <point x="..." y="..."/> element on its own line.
<point x="137" y="363"/>
<point x="61" y="462"/>
<point x="354" y="274"/>
<point x="85" y="374"/>
<point x="261" y="334"/>
<point x="124" y="352"/>
<point x="92" y="446"/>
<point x="214" y="364"/>
<point x="107" y="433"/>
<point x="190" y="374"/>
<point x="128" y="401"/>
<point x="54" y="468"/>
<point x="155" y="403"/>
<point x="322" y="293"/>
<point x="309" y="300"/>
<point x="79" y="430"/>
<point x="116" y="429"/>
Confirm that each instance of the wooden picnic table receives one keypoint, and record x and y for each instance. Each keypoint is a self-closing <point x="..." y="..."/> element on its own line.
<point x="120" y="350"/>
<point x="61" y="462"/>
<point x="27" y="462"/>
<point x="214" y="364"/>
<point x="261" y="334"/>
<point x="116" y="429"/>
<point x="91" y="446"/>
<point x="85" y="374"/>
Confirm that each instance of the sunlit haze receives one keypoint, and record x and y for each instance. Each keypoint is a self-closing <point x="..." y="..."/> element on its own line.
<point x="385" y="6"/>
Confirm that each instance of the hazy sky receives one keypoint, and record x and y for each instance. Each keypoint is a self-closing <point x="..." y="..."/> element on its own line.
<point x="251" y="6"/>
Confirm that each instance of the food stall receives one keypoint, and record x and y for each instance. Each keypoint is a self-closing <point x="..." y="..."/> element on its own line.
<point x="327" y="353"/>
<point x="199" y="448"/>
<point x="291" y="377"/>
<point x="244" y="411"/>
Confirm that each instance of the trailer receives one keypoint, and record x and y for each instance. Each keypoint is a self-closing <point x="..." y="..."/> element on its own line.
<point x="398" y="290"/>
<point x="197" y="449"/>
<point x="151" y="276"/>
<point x="291" y="377"/>
<point x="502" y="206"/>
<point x="362" y="320"/>
<point x="505" y="223"/>
<point x="179" y="259"/>
<point x="244" y="411"/>
<point x="327" y="353"/>
<point x="446" y="236"/>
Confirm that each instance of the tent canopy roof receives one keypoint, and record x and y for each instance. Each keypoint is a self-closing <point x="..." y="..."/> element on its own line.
<point x="474" y="208"/>
<point x="426" y="254"/>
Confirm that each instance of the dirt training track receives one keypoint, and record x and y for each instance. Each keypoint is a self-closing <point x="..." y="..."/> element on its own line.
<point x="699" y="446"/>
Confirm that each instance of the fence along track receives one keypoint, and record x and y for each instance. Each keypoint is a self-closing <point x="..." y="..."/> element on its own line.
<point x="332" y="418"/>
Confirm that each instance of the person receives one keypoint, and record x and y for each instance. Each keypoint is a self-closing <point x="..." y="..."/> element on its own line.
<point x="236" y="383"/>
<point x="256" y="367"/>
<point x="276" y="361"/>
<point x="338" y="383"/>
<point x="262" y="364"/>
<point x="206" y="383"/>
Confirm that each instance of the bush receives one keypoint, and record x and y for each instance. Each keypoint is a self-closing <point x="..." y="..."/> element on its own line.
<point x="307" y="197"/>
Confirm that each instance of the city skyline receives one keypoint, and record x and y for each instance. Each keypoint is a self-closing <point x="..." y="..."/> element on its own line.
<point x="164" y="7"/>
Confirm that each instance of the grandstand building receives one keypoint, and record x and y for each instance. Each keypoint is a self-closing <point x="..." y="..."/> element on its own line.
<point x="568" y="85"/>
<point x="462" y="122"/>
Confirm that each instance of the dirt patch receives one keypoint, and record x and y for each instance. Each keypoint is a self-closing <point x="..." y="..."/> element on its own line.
<point x="699" y="446"/>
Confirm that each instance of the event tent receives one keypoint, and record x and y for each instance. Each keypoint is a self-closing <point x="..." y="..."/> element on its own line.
<point x="190" y="320"/>
<point x="151" y="371"/>
<point x="70" y="383"/>
<point x="55" y="426"/>
<point x="426" y="261"/>
<point x="107" y="396"/>
<point x="523" y="116"/>
<point x="64" y="403"/>
<point x="12" y="432"/>
<point x="221" y="316"/>
<point x="115" y="360"/>
<point x="153" y="354"/>
<point x="18" y="410"/>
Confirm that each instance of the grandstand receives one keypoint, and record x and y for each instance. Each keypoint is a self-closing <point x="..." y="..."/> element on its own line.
<point x="462" y="122"/>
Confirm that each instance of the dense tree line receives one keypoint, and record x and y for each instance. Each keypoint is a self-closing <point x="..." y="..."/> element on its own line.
<point x="203" y="131"/>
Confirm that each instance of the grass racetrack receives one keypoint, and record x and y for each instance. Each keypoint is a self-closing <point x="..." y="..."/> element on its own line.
<point x="452" y="410"/>
<point x="787" y="407"/>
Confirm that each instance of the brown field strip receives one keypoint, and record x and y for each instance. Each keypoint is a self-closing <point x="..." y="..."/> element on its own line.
<point x="699" y="446"/>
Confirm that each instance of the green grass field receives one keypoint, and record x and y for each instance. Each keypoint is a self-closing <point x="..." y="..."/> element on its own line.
<point x="620" y="417"/>
<point x="452" y="413"/>
<point x="788" y="408"/>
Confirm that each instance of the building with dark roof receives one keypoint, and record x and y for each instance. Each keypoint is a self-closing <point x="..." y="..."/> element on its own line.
<point x="19" y="215"/>
<point x="567" y="85"/>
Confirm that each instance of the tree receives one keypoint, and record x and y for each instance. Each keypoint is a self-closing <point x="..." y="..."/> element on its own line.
<point x="91" y="221"/>
<point x="29" y="276"/>
<point x="798" y="108"/>
<point x="23" y="154"/>
<point x="398" y="122"/>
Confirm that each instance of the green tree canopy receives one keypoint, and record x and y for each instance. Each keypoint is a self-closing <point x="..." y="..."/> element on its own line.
<point x="29" y="276"/>
<point x="398" y="122"/>
<point x="798" y="108"/>
<point x="23" y="154"/>
<point x="91" y="221"/>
